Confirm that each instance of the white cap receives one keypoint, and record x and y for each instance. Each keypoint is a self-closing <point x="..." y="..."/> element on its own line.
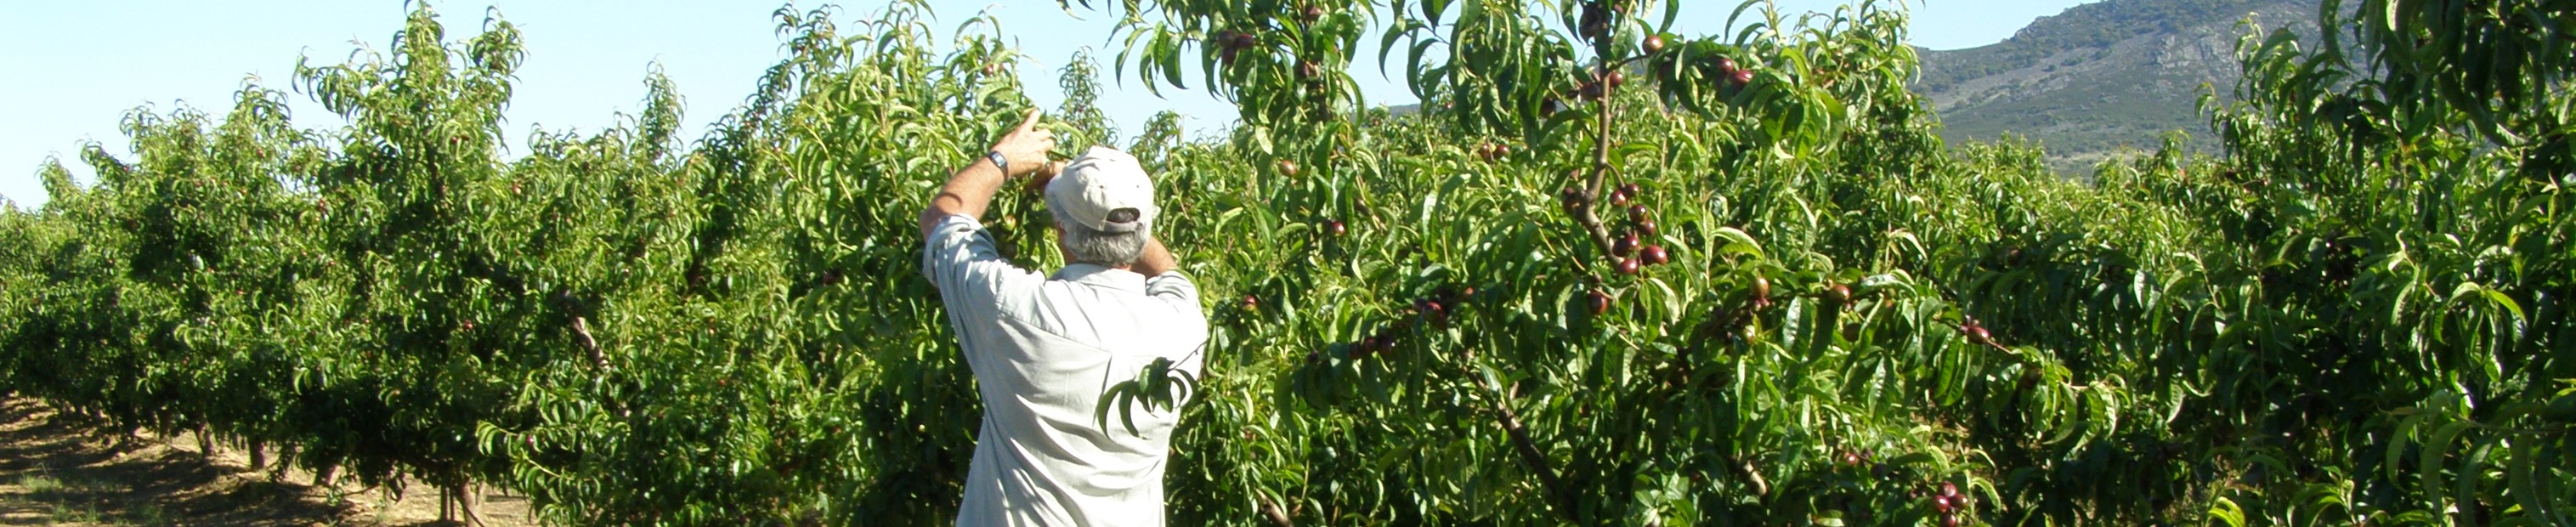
<point x="1105" y="190"/>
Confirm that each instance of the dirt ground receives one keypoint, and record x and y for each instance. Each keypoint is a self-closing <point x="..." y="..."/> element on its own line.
<point x="55" y="469"/>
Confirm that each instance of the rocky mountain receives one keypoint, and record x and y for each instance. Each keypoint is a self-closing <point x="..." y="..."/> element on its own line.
<point x="2102" y="78"/>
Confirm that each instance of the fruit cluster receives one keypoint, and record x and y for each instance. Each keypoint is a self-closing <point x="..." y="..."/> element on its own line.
<point x="1230" y="43"/>
<point x="1630" y="249"/>
<point x="1949" y="503"/>
<point x="1429" y="311"/>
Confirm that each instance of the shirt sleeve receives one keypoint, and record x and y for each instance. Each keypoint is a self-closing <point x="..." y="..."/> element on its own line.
<point x="972" y="277"/>
<point x="1175" y="290"/>
<point x="1173" y="287"/>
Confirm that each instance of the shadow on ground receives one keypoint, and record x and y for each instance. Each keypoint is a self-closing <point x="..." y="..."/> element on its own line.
<point x="64" y="469"/>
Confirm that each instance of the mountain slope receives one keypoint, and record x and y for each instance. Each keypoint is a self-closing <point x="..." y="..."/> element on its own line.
<point x="2102" y="77"/>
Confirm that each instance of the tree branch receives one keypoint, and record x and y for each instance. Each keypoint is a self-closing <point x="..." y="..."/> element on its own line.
<point x="1271" y="511"/>
<point x="581" y="335"/>
<point x="1559" y="496"/>
<point x="1588" y="214"/>
<point x="1760" y="488"/>
<point x="1537" y="461"/>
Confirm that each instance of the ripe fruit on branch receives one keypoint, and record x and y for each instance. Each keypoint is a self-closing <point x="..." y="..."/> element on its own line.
<point x="1229" y="43"/>
<point x="1976" y="334"/>
<point x="1646" y="227"/>
<point x="1741" y="77"/>
<point x="1726" y="67"/>
<point x="1287" y="167"/>
<point x="1312" y="13"/>
<point x="1334" y="227"/>
<point x="1637" y="214"/>
<point x="1633" y="190"/>
<point x="1949" y="490"/>
<point x="1613" y="78"/>
<point x="1761" y="291"/>
<point x="1838" y="294"/>
<point x="1619" y="198"/>
<point x="1595" y="23"/>
<point x="1654" y="44"/>
<point x="1598" y="301"/>
<point x="1630" y="266"/>
<point x="1573" y="198"/>
<point x="1432" y="309"/>
<point x="1654" y="255"/>
<point x="1251" y="302"/>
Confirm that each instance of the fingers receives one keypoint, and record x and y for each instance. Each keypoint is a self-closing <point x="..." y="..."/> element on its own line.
<point x="1032" y="121"/>
<point x="1027" y="146"/>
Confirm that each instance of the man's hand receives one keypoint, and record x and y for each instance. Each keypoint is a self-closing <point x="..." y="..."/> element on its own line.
<point x="970" y="189"/>
<point x="1037" y="182"/>
<point x="1026" y="147"/>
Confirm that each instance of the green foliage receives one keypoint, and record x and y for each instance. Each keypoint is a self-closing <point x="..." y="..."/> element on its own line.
<point x="2357" y="314"/>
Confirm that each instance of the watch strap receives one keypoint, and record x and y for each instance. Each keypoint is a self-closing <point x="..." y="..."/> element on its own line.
<point x="999" y="161"/>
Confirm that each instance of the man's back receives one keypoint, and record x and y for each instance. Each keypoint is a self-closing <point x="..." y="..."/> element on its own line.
<point x="1043" y="351"/>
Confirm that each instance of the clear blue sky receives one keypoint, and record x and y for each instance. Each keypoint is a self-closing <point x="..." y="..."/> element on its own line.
<point x="76" y="68"/>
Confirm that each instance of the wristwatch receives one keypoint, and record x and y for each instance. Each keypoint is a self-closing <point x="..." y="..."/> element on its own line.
<point x="1000" y="162"/>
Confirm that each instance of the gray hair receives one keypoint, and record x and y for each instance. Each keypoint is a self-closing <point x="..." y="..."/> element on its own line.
<point x="1082" y="244"/>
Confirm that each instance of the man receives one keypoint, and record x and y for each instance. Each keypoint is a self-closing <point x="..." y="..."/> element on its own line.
<point x="1044" y="348"/>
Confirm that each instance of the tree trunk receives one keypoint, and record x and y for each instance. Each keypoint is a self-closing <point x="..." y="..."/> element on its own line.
<point x="464" y="495"/>
<point x="258" y="454"/>
<point x="285" y="462"/>
<point x="205" y="445"/>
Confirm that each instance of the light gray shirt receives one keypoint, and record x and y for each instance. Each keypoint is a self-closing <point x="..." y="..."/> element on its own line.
<point x="1043" y="350"/>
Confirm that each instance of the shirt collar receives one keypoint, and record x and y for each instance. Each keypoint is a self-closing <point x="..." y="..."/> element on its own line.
<point x="1098" y="276"/>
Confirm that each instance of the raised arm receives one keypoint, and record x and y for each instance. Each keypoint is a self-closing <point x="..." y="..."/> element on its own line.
<point x="1156" y="260"/>
<point x="970" y="189"/>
